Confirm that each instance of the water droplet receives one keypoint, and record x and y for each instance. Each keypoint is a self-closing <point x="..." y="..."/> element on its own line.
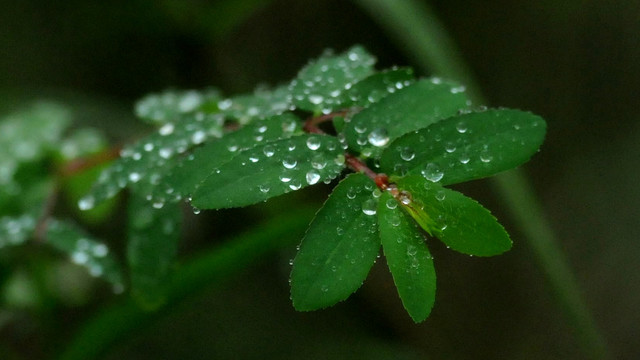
<point x="339" y="231"/>
<point x="254" y="158"/>
<point x="148" y="147"/>
<point x="79" y="257"/>
<point x="412" y="250"/>
<point x="158" y="204"/>
<point x="165" y="153"/>
<point x="134" y="177"/>
<point x="313" y="143"/>
<point x="195" y="210"/>
<point x="440" y="195"/>
<point x="289" y="162"/>
<point x="432" y="172"/>
<point x="312" y="177"/>
<point x="318" y="162"/>
<point x="351" y="193"/>
<point x="394" y="220"/>
<point x="198" y="137"/>
<point x="407" y="154"/>
<point x="100" y="250"/>
<point x="316" y="99"/>
<point x="360" y="128"/>
<point x="485" y="156"/>
<point x="264" y="188"/>
<point x="285" y="178"/>
<point x="391" y="204"/>
<point x="464" y="158"/>
<point x="324" y="288"/>
<point x="450" y="147"/>
<point x="232" y="147"/>
<point x="166" y="129"/>
<point x="86" y="203"/>
<point x="404" y="197"/>
<point x="268" y="150"/>
<point x="458" y="89"/>
<point x="379" y="137"/>
<point x="369" y="207"/>
<point x="461" y="126"/>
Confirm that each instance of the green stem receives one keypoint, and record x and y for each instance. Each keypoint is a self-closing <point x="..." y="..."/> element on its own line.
<point x="119" y="320"/>
<point x="424" y="39"/>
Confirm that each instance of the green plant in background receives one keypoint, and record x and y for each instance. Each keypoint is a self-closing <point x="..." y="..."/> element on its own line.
<point x="401" y="140"/>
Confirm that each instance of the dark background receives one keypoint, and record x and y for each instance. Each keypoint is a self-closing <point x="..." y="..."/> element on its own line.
<point x="575" y="62"/>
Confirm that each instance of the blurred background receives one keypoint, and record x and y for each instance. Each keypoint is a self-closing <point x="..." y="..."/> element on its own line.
<point x="575" y="62"/>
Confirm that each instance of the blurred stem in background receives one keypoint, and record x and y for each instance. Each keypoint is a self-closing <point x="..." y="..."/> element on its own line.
<point x="212" y="268"/>
<point x="418" y="32"/>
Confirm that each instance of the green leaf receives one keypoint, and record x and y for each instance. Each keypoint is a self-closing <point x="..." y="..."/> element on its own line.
<point x="168" y="105"/>
<point x="377" y="86"/>
<point x="28" y="136"/>
<point x="262" y="103"/>
<point x="458" y="221"/>
<point x="193" y="169"/>
<point x="269" y="170"/>
<point x="339" y="248"/>
<point x="467" y="147"/>
<point x="408" y="109"/>
<point x="408" y="258"/>
<point x="16" y="230"/>
<point x="85" y="251"/>
<point x="153" y="236"/>
<point x="319" y="86"/>
<point x="143" y="165"/>
<point x="82" y="142"/>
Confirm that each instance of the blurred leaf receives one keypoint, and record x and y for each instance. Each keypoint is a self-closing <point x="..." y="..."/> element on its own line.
<point x="91" y="254"/>
<point x="82" y="142"/>
<point x="16" y="230"/>
<point x="467" y="147"/>
<point x="27" y="136"/>
<point x="408" y="258"/>
<point x="143" y="164"/>
<point x="193" y="169"/>
<point x="458" y="221"/>
<point x="410" y="108"/>
<point x="319" y="86"/>
<point x="262" y="103"/>
<point x="168" y="105"/>
<point x="153" y="236"/>
<point x="269" y="170"/>
<point x="377" y="86"/>
<point x="339" y="248"/>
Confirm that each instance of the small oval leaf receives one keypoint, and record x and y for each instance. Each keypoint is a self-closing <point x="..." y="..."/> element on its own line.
<point x="458" y="221"/>
<point x="408" y="257"/>
<point x="319" y="86"/>
<point x="339" y="248"/>
<point x="193" y="169"/>
<point x="467" y="147"/>
<point x="153" y="236"/>
<point x="410" y="108"/>
<point x="91" y="254"/>
<point x="269" y="170"/>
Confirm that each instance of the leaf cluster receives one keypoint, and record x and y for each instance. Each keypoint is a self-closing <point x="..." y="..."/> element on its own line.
<point x="403" y="138"/>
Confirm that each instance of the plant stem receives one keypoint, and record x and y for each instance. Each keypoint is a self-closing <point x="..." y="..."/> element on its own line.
<point x="424" y="39"/>
<point x="119" y="320"/>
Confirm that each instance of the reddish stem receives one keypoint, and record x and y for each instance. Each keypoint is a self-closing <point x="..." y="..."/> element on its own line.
<point x="354" y="162"/>
<point x="76" y="166"/>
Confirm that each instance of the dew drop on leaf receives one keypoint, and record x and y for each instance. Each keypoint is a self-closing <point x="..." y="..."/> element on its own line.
<point x="391" y="204"/>
<point x="313" y="143"/>
<point x="269" y="150"/>
<point x="166" y="129"/>
<point x="379" y="137"/>
<point x="369" y="207"/>
<point x="312" y="177"/>
<point x="432" y="172"/>
<point x="407" y="154"/>
<point x="461" y="127"/>
<point x="289" y="162"/>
